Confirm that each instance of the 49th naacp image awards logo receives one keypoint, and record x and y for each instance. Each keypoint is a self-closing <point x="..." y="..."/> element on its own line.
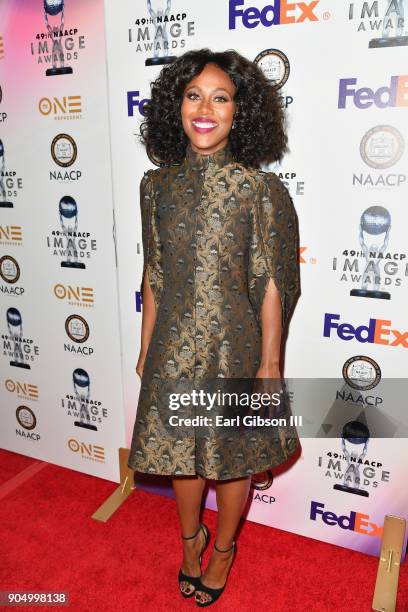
<point x="77" y="330"/>
<point x="10" y="273"/>
<point x="361" y="373"/>
<point x="372" y="269"/>
<point x="385" y="23"/>
<point x="10" y="184"/>
<point x="275" y="66"/>
<point x="161" y="33"/>
<point x="3" y="114"/>
<point x="27" y="420"/>
<point x="58" y="45"/>
<point x="86" y="411"/>
<point x="64" y="152"/>
<point x="62" y="108"/>
<point x="349" y="468"/>
<point x="18" y="347"/>
<point x="381" y="148"/>
<point x="68" y="243"/>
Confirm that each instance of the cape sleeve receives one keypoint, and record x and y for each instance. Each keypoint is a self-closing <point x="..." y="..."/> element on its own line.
<point x="274" y="246"/>
<point x="152" y="250"/>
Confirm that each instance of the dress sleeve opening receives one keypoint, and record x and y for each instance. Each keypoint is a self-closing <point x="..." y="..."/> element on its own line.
<point x="152" y="251"/>
<point x="274" y="246"/>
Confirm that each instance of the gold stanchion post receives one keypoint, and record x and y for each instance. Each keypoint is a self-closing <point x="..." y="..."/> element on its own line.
<point x="386" y="586"/>
<point x="120" y="495"/>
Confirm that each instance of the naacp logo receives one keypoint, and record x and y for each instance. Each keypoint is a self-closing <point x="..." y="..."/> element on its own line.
<point x="77" y="329"/>
<point x="262" y="481"/>
<point x="10" y="273"/>
<point x="26" y="417"/>
<point x="382" y="147"/>
<point x="275" y="66"/>
<point x="64" y="150"/>
<point x="361" y="372"/>
<point x="9" y="269"/>
<point x="259" y="484"/>
<point x="3" y="115"/>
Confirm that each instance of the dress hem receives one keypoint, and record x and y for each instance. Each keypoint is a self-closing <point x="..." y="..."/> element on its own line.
<point x="265" y="468"/>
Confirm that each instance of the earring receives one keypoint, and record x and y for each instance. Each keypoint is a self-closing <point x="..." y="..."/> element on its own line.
<point x="233" y="125"/>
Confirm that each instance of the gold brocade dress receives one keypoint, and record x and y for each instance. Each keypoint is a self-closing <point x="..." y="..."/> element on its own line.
<point x="213" y="232"/>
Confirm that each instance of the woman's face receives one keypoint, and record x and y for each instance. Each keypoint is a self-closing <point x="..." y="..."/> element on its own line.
<point x="207" y="109"/>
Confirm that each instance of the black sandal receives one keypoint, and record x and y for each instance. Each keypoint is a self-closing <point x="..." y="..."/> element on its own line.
<point x="213" y="593"/>
<point x="193" y="580"/>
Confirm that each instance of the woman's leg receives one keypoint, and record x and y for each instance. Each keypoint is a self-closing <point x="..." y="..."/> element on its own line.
<point x="232" y="496"/>
<point x="189" y="493"/>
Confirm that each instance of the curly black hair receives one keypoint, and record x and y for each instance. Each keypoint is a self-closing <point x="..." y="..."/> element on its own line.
<point x="260" y="124"/>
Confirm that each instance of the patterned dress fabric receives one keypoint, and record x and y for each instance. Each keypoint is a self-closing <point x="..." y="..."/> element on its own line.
<point x="214" y="233"/>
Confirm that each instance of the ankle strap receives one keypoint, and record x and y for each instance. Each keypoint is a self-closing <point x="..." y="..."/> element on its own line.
<point x="225" y="550"/>
<point x="193" y="536"/>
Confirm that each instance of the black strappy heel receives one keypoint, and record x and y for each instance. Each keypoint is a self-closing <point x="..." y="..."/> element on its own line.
<point x="193" y="580"/>
<point x="214" y="593"/>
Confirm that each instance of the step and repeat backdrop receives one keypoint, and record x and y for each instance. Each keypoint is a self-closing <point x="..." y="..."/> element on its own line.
<point x="73" y="91"/>
<point x="60" y="386"/>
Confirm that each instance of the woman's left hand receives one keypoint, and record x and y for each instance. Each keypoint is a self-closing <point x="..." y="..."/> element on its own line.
<point x="269" y="382"/>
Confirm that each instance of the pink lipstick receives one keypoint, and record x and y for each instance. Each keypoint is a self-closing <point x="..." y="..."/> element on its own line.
<point x="202" y="125"/>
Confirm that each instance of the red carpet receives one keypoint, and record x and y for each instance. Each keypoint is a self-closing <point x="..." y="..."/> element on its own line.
<point x="130" y="563"/>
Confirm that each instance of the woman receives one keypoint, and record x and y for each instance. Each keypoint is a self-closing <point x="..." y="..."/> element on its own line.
<point x="220" y="279"/>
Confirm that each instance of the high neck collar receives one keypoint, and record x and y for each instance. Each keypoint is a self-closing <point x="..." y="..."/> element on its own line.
<point x="198" y="161"/>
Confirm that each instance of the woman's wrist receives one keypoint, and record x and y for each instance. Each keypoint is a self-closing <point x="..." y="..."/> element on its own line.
<point x="142" y="354"/>
<point x="269" y="370"/>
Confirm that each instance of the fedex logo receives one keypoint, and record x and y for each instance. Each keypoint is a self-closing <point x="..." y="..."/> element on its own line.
<point x="355" y="521"/>
<point x="378" y="331"/>
<point x="134" y="101"/>
<point x="280" y="11"/>
<point x="396" y="94"/>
